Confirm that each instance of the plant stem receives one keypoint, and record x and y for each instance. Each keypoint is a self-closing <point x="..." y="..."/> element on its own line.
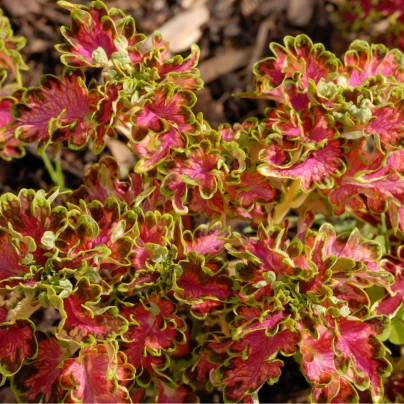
<point x="56" y="172"/>
<point x="294" y="197"/>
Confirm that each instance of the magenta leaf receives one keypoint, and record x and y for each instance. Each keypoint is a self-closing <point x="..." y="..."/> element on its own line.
<point x="38" y="381"/>
<point x="194" y="281"/>
<point x="253" y="360"/>
<point x="83" y="324"/>
<point x="198" y="168"/>
<point x="392" y="301"/>
<point x="363" y="61"/>
<point x="166" y="106"/>
<point x="318" y="366"/>
<point x="10" y="147"/>
<point x="98" y="375"/>
<point x="315" y="168"/>
<point x="97" y="235"/>
<point x="30" y="214"/>
<point x="59" y="110"/>
<point x="17" y="342"/>
<point x="12" y="251"/>
<point x="253" y="188"/>
<point x="154" y="329"/>
<point x="359" y="349"/>
<point x="300" y="61"/>
<point x="205" y="240"/>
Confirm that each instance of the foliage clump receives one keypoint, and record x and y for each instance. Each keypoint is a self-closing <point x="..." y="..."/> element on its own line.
<point x="213" y="259"/>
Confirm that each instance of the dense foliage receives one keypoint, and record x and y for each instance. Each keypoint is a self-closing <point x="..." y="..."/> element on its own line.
<point x="215" y="256"/>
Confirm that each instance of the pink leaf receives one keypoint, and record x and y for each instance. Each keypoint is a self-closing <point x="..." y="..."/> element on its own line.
<point x="88" y="377"/>
<point x="154" y="329"/>
<point x="363" y="61"/>
<point x="316" y="168"/>
<point x="81" y="324"/>
<point x="39" y="380"/>
<point x="91" y="28"/>
<point x="253" y="188"/>
<point x="17" y="342"/>
<point x="253" y="362"/>
<point x="199" y="168"/>
<point x="195" y="282"/>
<point x="59" y="110"/>
<point x="359" y="349"/>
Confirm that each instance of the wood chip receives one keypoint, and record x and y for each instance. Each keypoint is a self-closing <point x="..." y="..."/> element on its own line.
<point x="224" y="63"/>
<point x="185" y="28"/>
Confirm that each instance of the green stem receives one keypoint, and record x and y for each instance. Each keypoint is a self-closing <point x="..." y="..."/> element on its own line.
<point x="56" y="172"/>
<point x="294" y="197"/>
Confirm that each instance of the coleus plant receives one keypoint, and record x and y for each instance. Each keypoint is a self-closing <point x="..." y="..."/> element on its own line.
<point x="206" y="265"/>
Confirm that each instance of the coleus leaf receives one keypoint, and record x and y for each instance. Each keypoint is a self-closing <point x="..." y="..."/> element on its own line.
<point x="299" y="61"/>
<point x="30" y="215"/>
<point x="205" y="240"/>
<point x="363" y="60"/>
<point x="165" y="106"/>
<point x="252" y="358"/>
<point x="318" y="366"/>
<point x="103" y="118"/>
<point x="98" y="375"/>
<point x="151" y="231"/>
<point x="386" y="122"/>
<point x="198" y="167"/>
<point x="358" y="260"/>
<point x="10" y="45"/>
<point x="253" y="188"/>
<point x="209" y="207"/>
<point x="154" y="329"/>
<point x="155" y="148"/>
<point x="96" y="34"/>
<point x="13" y="251"/>
<point x="392" y="301"/>
<point x="38" y="381"/>
<point x="101" y="181"/>
<point x="10" y="147"/>
<point x="174" y="188"/>
<point x="358" y="348"/>
<point x="91" y="30"/>
<point x="311" y="126"/>
<point x="59" y="110"/>
<point x="18" y="342"/>
<point x="177" y="70"/>
<point x="193" y="281"/>
<point x="386" y="191"/>
<point x="83" y="324"/>
<point x="202" y="368"/>
<point x="315" y="168"/>
<point x="98" y="234"/>
<point x="262" y="254"/>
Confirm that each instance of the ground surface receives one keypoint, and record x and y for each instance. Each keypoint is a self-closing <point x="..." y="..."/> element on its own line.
<point x="232" y="36"/>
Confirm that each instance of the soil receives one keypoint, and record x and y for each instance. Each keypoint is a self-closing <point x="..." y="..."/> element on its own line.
<point x="232" y="36"/>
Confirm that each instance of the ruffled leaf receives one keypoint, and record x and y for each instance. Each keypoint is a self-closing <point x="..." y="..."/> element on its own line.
<point x="18" y="342"/>
<point x="59" y="110"/>
<point x="83" y="324"/>
<point x="153" y="330"/>
<point x="38" y="381"/>
<point x="98" y="375"/>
